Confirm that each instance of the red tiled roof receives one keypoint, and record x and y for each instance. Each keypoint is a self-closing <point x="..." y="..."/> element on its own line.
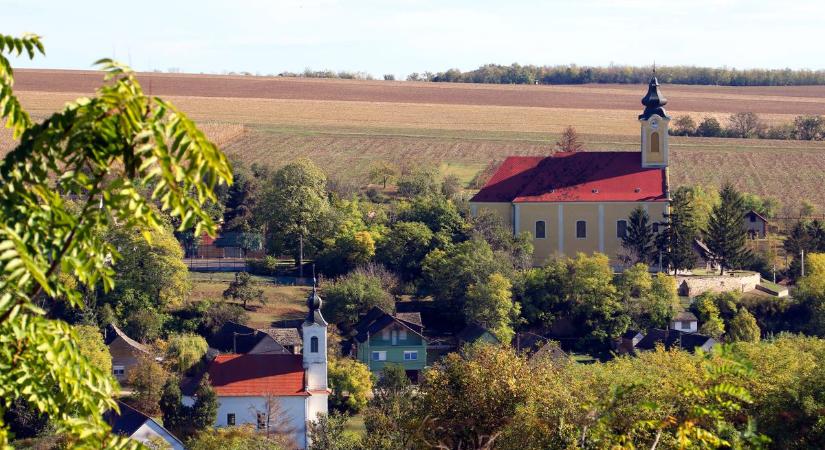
<point x="575" y="177"/>
<point x="257" y="375"/>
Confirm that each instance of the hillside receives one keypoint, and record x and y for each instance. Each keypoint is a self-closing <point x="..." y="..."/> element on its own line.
<point x="460" y="128"/>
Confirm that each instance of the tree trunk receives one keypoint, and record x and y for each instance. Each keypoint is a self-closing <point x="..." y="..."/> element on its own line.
<point x="300" y="256"/>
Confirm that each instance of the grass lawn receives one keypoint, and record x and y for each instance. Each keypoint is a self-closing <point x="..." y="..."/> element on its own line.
<point x="282" y="302"/>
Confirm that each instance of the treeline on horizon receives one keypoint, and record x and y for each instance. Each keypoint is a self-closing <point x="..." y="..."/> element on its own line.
<point x="572" y="74"/>
<point x="617" y="74"/>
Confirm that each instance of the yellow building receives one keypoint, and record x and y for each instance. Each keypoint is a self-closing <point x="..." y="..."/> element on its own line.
<point x="579" y="201"/>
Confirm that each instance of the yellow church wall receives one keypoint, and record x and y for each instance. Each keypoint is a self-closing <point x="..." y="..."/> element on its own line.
<point x="601" y="219"/>
<point x="529" y="214"/>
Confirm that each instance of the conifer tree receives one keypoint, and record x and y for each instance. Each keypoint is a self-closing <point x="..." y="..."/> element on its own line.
<point x="725" y="236"/>
<point x="174" y="412"/>
<point x="205" y="409"/>
<point x="676" y="240"/>
<point x="639" y="239"/>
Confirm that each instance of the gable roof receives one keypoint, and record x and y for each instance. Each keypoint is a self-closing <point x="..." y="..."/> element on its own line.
<point x="130" y="420"/>
<point x="756" y="214"/>
<point x="685" y="316"/>
<point x="575" y="177"/>
<point x="257" y="375"/>
<point x="236" y="338"/>
<point x="673" y="338"/>
<point x="377" y="319"/>
<point x="473" y="332"/>
<point x="284" y="336"/>
<point x="113" y="333"/>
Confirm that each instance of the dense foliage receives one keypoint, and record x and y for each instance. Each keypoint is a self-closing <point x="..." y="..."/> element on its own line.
<point x="117" y="153"/>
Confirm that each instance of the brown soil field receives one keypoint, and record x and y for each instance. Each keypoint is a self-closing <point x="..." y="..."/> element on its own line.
<point x="460" y="128"/>
<point x="769" y="100"/>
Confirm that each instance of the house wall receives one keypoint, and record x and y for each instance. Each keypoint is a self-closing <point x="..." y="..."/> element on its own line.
<point x="560" y="226"/>
<point x="759" y="226"/>
<point x="246" y="412"/>
<point x="150" y="430"/>
<point x="395" y="353"/>
<point x="124" y="355"/>
<point x="687" y="326"/>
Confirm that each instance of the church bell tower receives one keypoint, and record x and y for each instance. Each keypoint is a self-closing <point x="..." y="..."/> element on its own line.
<point x="314" y="332"/>
<point x="654" y="121"/>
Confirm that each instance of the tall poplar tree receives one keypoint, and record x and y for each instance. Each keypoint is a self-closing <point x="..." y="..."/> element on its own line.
<point x="639" y="239"/>
<point x="725" y="235"/>
<point x="676" y="240"/>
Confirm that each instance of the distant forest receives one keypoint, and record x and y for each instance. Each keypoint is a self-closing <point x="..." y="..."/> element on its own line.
<point x="572" y="74"/>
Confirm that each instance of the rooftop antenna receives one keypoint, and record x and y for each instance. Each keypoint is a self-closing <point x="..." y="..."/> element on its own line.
<point x="654" y="67"/>
<point x="314" y="281"/>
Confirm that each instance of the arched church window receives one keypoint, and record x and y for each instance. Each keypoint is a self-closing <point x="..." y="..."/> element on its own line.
<point x="313" y="344"/>
<point x="654" y="142"/>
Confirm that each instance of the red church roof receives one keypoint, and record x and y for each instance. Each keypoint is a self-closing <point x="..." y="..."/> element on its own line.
<point x="575" y="177"/>
<point x="257" y="375"/>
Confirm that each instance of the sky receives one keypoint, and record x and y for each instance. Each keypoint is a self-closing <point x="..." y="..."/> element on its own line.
<point x="403" y="36"/>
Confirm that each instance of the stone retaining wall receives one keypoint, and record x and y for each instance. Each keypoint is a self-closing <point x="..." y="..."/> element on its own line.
<point x="692" y="286"/>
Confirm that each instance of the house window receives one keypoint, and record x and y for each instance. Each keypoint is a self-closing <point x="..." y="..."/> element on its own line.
<point x="621" y="229"/>
<point x="654" y="142"/>
<point x="261" y="421"/>
<point x="118" y="371"/>
<point x="379" y="356"/>
<point x="541" y="231"/>
<point x="753" y="217"/>
<point x="230" y="419"/>
<point x="581" y="229"/>
<point x="411" y="356"/>
<point x="313" y="344"/>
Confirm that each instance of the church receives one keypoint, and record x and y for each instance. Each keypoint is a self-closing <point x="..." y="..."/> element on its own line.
<point x="572" y="202"/>
<point x="274" y="392"/>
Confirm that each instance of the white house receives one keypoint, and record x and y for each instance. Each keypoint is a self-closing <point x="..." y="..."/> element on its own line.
<point x="685" y="322"/>
<point x="136" y="425"/>
<point x="279" y="392"/>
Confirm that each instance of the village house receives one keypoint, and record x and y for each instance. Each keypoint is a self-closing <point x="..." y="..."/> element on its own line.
<point x="274" y="389"/>
<point x="756" y="225"/>
<point x="382" y="339"/>
<point x="236" y="338"/>
<point x="136" y="425"/>
<point x="685" y="322"/>
<point x="125" y="351"/>
<point x="572" y="202"/>
<point x="675" y="339"/>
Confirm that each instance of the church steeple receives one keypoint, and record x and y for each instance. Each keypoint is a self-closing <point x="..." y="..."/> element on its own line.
<point x="653" y="101"/>
<point x="654" y="121"/>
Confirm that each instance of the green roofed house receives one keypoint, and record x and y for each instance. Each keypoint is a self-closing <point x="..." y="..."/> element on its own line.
<point x="382" y="339"/>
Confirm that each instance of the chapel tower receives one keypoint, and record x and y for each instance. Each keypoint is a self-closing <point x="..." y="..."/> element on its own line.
<point x="314" y="331"/>
<point x="654" y="121"/>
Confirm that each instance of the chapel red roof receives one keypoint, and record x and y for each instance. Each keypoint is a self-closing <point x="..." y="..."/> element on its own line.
<point x="257" y="375"/>
<point x="575" y="177"/>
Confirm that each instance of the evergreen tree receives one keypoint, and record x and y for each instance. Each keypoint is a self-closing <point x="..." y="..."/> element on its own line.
<point x="676" y="240"/>
<point x="173" y="411"/>
<point x="725" y="236"/>
<point x="639" y="239"/>
<point x="205" y="409"/>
